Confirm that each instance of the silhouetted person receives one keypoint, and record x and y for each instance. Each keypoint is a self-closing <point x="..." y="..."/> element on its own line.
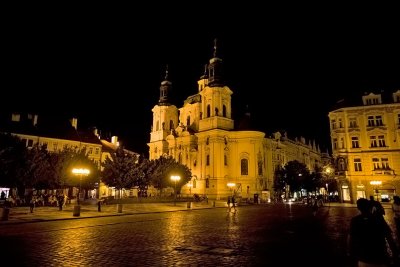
<point x="368" y="236"/>
<point x="376" y="207"/>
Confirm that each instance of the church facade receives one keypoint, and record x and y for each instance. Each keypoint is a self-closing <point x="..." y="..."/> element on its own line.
<point x="201" y="134"/>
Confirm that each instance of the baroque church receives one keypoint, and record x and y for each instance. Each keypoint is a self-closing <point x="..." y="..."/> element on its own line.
<point x="224" y="160"/>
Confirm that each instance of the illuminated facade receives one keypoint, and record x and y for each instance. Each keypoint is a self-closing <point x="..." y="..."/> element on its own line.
<point x="202" y="135"/>
<point x="365" y="144"/>
<point x="56" y="138"/>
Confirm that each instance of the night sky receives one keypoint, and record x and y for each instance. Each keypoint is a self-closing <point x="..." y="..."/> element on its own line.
<point x="288" y="68"/>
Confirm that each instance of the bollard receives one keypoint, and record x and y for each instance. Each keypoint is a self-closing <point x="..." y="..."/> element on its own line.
<point x="189" y="205"/>
<point x="4" y="214"/>
<point x="77" y="211"/>
<point x="119" y="208"/>
<point x="99" y="206"/>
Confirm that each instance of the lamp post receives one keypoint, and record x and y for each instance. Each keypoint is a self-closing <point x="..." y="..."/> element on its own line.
<point x="175" y="178"/>
<point x="80" y="172"/>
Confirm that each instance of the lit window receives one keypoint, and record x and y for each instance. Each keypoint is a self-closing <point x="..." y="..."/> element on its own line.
<point x="353" y="123"/>
<point x="244" y="167"/>
<point x="381" y="141"/>
<point x="373" y="141"/>
<point x="357" y="165"/>
<point x="378" y="121"/>
<point x="354" y="142"/>
<point x="371" y="121"/>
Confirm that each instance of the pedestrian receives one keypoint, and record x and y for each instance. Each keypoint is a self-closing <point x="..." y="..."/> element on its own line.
<point x="376" y="207"/>
<point x="315" y="206"/>
<point x="396" y="212"/>
<point x="61" y="200"/>
<point x="234" y="203"/>
<point x="229" y="203"/>
<point x="32" y="204"/>
<point x="368" y="238"/>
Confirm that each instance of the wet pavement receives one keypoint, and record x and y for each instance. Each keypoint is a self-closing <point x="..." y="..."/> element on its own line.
<point x="162" y="234"/>
<point x="44" y="213"/>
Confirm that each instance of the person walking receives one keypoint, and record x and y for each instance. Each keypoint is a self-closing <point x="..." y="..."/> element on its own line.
<point x="234" y="203"/>
<point x="368" y="238"/>
<point x="32" y="203"/>
<point x="229" y="203"/>
<point x="376" y="207"/>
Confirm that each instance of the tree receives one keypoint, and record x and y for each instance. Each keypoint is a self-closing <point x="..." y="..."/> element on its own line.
<point x="279" y="181"/>
<point x="120" y="170"/>
<point x="162" y="169"/>
<point x="12" y="160"/>
<point x="296" y="175"/>
<point x="64" y="161"/>
<point x="143" y="173"/>
<point x="38" y="172"/>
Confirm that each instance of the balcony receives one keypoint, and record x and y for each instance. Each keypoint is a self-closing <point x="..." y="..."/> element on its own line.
<point x="383" y="172"/>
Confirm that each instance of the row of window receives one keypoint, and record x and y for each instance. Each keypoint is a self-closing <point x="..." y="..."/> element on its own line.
<point x="375" y="141"/>
<point x="188" y="120"/>
<point x="378" y="164"/>
<point x="373" y="121"/>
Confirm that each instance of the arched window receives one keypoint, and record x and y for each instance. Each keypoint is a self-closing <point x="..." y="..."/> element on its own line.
<point x="157" y="126"/>
<point x="207" y="183"/>
<point x="244" y="166"/>
<point x="208" y="111"/>
<point x="208" y="160"/>
<point x="188" y="121"/>
<point x="171" y="125"/>
<point x="194" y="183"/>
<point x="225" y="160"/>
<point x="216" y="111"/>
<point x="224" y="111"/>
<point x="341" y="164"/>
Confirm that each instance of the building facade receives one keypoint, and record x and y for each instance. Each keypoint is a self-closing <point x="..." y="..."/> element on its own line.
<point x="365" y="143"/>
<point x="202" y="135"/>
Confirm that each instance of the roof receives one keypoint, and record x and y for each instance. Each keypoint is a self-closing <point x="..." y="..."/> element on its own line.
<point x="52" y="128"/>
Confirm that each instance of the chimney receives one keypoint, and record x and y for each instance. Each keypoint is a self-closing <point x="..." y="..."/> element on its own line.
<point x="74" y="123"/>
<point x="95" y="132"/>
<point x="15" y="117"/>
<point x="114" y="140"/>
<point x="35" y="118"/>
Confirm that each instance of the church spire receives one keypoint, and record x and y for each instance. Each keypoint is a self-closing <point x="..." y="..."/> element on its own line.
<point x="165" y="87"/>
<point x="215" y="78"/>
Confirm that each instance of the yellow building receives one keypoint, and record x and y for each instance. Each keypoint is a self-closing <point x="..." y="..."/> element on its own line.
<point x="202" y="135"/>
<point x="54" y="137"/>
<point x="365" y="144"/>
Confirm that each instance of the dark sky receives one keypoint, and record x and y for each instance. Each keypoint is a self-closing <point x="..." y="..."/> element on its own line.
<point x="289" y="68"/>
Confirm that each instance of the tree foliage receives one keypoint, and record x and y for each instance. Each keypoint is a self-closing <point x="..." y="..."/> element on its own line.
<point x="163" y="168"/>
<point x="12" y="160"/>
<point x="120" y="170"/>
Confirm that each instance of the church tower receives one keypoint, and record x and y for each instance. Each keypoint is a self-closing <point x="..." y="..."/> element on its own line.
<point x="216" y="109"/>
<point x="165" y="120"/>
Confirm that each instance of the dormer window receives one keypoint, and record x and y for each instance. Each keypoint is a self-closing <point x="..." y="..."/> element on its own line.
<point x="396" y="96"/>
<point x="372" y="99"/>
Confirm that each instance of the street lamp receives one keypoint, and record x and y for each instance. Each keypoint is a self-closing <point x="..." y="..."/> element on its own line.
<point x="375" y="184"/>
<point x="80" y="172"/>
<point x="231" y="186"/>
<point x="175" y="178"/>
